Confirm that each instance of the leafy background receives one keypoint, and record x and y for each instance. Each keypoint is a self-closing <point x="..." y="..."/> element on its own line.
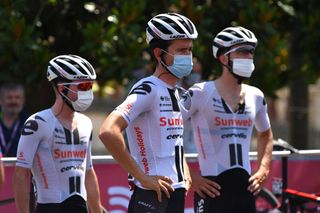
<point x="111" y="35"/>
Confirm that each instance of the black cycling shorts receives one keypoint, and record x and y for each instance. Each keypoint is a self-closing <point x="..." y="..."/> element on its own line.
<point x="234" y="195"/>
<point x="143" y="201"/>
<point x="74" y="204"/>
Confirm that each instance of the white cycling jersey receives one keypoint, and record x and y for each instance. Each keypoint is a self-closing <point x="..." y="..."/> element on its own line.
<point x="155" y="129"/>
<point x="57" y="157"/>
<point x="222" y="137"/>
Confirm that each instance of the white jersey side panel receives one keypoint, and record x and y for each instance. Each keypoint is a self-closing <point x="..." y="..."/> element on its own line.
<point x="222" y="137"/>
<point x="155" y="129"/>
<point x="57" y="157"/>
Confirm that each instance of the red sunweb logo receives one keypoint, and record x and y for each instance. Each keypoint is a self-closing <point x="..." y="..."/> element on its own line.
<point x="164" y="121"/>
<point x="233" y="122"/>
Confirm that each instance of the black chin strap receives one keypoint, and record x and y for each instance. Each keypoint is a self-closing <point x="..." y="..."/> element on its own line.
<point x="65" y="100"/>
<point x="164" y="63"/>
<point x="229" y="67"/>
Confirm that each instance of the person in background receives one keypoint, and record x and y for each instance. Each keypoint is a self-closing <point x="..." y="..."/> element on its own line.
<point x="55" y="145"/>
<point x="223" y="113"/>
<point x="152" y="119"/>
<point x="12" y="117"/>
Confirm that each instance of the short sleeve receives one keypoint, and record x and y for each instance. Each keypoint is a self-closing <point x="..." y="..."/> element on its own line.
<point x="262" y="121"/>
<point x="31" y="135"/>
<point x="140" y="99"/>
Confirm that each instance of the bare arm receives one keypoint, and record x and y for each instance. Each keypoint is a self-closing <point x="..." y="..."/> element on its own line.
<point x="187" y="175"/>
<point x="2" y="177"/>
<point x="93" y="192"/>
<point x="111" y="136"/>
<point x="265" y="145"/>
<point x="21" y="178"/>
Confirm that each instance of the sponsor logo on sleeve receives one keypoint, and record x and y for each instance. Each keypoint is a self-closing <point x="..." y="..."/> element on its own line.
<point x="21" y="156"/>
<point x="30" y="127"/>
<point x="142" y="89"/>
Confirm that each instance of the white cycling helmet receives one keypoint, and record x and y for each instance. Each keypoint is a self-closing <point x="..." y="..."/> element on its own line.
<point x="170" y="26"/>
<point x="70" y="68"/>
<point x="231" y="36"/>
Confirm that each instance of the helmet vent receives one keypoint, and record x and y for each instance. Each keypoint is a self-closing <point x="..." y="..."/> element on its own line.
<point x="246" y="33"/>
<point x="185" y="22"/>
<point x="233" y="33"/>
<point x="224" y="38"/>
<point x="172" y="24"/>
<point x="66" y="68"/>
<point x="160" y="27"/>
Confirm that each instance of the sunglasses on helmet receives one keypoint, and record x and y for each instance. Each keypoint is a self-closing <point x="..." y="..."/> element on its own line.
<point x="81" y="86"/>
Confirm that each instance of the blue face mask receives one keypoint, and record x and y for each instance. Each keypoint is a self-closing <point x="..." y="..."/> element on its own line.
<point x="182" y="65"/>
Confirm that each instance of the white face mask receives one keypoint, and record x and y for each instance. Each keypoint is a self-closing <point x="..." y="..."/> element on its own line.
<point x="84" y="100"/>
<point x="243" y="67"/>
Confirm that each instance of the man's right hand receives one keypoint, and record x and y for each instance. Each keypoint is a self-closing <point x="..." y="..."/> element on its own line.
<point x="204" y="187"/>
<point x="159" y="184"/>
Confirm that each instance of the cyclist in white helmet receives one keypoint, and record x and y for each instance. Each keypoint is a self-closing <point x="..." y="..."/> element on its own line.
<point x="152" y="119"/>
<point x="55" y="145"/>
<point x="223" y="113"/>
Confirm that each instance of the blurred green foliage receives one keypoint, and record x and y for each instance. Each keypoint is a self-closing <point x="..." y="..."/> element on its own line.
<point x="111" y="35"/>
<point x="23" y="54"/>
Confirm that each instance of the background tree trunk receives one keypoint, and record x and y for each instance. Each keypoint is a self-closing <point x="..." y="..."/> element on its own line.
<point x="299" y="95"/>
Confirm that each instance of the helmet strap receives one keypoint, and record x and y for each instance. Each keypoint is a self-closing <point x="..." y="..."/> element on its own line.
<point x="65" y="94"/>
<point x="163" y="63"/>
<point x="229" y="67"/>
